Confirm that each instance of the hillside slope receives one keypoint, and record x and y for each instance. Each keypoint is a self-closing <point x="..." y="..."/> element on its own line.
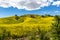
<point x="25" y="24"/>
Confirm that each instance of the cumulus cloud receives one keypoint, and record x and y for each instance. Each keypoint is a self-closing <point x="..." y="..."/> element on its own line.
<point x="56" y="3"/>
<point x="26" y="4"/>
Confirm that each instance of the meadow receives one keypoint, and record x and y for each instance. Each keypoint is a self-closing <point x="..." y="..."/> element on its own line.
<point x="30" y="27"/>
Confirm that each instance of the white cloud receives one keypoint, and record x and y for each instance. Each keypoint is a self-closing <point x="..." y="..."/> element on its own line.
<point x="56" y="3"/>
<point x="27" y="4"/>
<point x="56" y="12"/>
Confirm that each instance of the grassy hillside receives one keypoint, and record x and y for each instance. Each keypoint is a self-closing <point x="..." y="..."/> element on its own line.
<point x="27" y="21"/>
<point x="26" y="24"/>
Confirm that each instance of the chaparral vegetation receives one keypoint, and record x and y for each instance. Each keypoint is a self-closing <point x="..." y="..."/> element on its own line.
<point x="30" y="27"/>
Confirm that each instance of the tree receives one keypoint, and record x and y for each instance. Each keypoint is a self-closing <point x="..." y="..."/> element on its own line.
<point x="16" y="17"/>
<point x="32" y="16"/>
<point x="57" y="19"/>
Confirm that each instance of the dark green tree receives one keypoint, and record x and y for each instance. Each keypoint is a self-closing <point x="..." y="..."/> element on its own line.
<point x="32" y="16"/>
<point x="57" y="19"/>
<point x="16" y="17"/>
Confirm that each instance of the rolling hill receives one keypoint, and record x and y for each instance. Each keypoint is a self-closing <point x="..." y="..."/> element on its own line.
<point x="26" y="24"/>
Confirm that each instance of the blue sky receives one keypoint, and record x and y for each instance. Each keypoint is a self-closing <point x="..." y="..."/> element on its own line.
<point x="8" y="10"/>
